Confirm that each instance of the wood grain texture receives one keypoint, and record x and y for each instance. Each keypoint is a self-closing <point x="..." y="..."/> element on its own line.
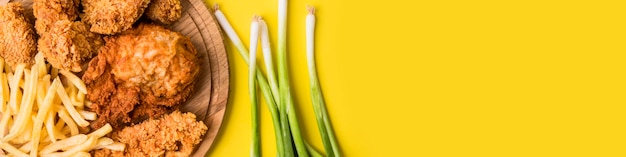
<point x="210" y="97"/>
<point x="206" y="31"/>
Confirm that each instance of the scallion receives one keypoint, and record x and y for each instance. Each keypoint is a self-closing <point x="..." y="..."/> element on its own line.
<point x="254" y="38"/>
<point x="284" y="134"/>
<point x="286" y="100"/>
<point x="269" y="67"/>
<point x="319" y="106"/>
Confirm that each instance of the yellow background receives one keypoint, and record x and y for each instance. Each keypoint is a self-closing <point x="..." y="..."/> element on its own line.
<point x="448" y="78"/>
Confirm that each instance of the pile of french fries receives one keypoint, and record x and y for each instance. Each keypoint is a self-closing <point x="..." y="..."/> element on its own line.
<point x="41" y="116"/>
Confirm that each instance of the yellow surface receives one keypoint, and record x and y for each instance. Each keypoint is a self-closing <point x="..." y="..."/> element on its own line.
<point x="449" y="78"/>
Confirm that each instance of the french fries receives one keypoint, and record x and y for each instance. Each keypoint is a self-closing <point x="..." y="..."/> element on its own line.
<point x="40" y="116"/>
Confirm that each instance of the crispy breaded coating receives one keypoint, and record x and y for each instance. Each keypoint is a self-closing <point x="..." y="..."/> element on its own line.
<point x="164" y="11"/>
<point x="17" y="37"/>
<point x="112" y="16"/>
<point x="48" y="12"/>
<point x="163" y="63"/>
<point x="175" y="134"/>
<point x="68" y="45"/>
<point x="154" y="67"/>
<point x="112" y="105"/>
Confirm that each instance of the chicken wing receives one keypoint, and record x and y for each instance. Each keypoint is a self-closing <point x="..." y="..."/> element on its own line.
<point x="48" y="12"/>
<point x="174" y="134"/>
<point x="112" y="16"/>
<point x="68" y="45"/>
<point x="17" y="37"/>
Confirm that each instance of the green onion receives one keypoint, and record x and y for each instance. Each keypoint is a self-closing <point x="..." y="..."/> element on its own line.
<point x="277" y="92"/>
<point x="263" y="85"/>
<point x="323" y="122"/>
<point x="312" y="151"/>
<point x="267" y="56"/>
<point x="269" y="67"/>
<point x="283" y="80"/>
<point x="254" y="38"/>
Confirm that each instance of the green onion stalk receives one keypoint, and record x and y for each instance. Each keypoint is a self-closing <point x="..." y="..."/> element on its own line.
<point x="284" y="144"/>
<point x="323" y="122"/>
<point x="286" y="102"/>
<point x="267" y="54"/>
<point x="255" y="148"/>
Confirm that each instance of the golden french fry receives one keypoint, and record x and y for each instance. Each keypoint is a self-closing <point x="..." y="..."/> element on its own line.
<point x="3" y="99"/>
<point x="104" y="141"/>
<point x="41" y="64"/>
<point x="88" y="103"/>
<point x="75" y="80"/>
<point x="81" y="154"/>
<point x="82" y="147"/>
<point x="80" y="97"/>
<point x="43" y="110"/>
<point x="29" y="104"/>
<point x="14" y="85"/>
<point x="68" y="120"/>
<point x="60" y="124"/>
<point x="66" y="143"/>
<point x="66" y="131"/>
<point x="73" y="94"/>
<point x="4" y="123"/>
<point x="26" y="147"/>
<point x="70" y="108"/>
<point x="12" y="150"/>
<point x="88" y="115"/>
<point x="102" y="131"/>
<point x="42" y="89"/>
<point x="25" y="136"/>
<point x="26" y="107"/>
<point x="29" y="146"/>
<point x="50" y="126"/>
<point x="115" y="146"/>
<point x="5" y="88"/>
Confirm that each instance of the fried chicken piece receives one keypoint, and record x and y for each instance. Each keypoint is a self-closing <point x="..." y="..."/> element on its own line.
<point x="111" y="104"/>
<point x="17" y="37"/>
<point x="112" y="16"/>
<point x="174" y="134"/>
<point x="152" y="69"/>
<point x="163" y="63"/>
<point x="48" y="12"/>
<point x="69" y="45"/>
<point x="164" y="11"/>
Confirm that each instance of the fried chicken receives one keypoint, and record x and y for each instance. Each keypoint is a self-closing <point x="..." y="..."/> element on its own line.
<point x="112" y="104"/>
<point x="17" y="37"/>
<point x="174" y="134"/>
<point x="48" y="12"/>
<point x="68" y="45"/>
<point x="163" y="63"/>
<point x="112" y="16"/>
<point x="164" y="11"/>
<point x="154" y="67"/>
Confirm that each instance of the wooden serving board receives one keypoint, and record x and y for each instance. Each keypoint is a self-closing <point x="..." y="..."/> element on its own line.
<point x="210" y="97"/>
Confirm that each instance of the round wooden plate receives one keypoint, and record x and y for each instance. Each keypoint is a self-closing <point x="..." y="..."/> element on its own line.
<point x="211" y="94"/>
